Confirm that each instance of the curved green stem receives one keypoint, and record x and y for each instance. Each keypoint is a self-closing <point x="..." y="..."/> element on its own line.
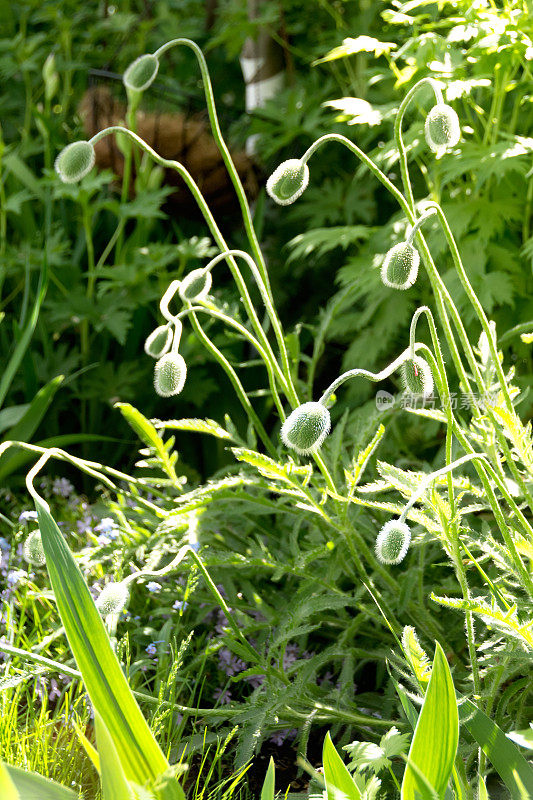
<point x="436" y="282"/>
<point x="235" y="382"/>
<point x="214" y="312"/>
<point x="230" y="166"/>
<point x="363" y="373"/>
<point x="213" y="227"/>
<point x="271" y="311"/>
<point x="476" y="305"/>
<point x="398" y="132"/>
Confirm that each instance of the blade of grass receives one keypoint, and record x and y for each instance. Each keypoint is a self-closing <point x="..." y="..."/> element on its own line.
<point x="436" y="735"/>
<point x="336" y="774"/>
<point x="268" y="789"/>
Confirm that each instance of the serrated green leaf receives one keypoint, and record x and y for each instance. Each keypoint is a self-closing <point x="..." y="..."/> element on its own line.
<point x="209" y="426"/>
<point x="436" y="735"/>
<point x="336" y="774"/>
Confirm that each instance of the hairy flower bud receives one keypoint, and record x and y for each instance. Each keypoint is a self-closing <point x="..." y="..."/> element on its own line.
<point x="169" y="375"/>
<point x="113" y="598"/>
<point x="306" y="427"/>
<point x="75" y="161"/>
<point x="393" y="542"/>
<point x="33" y="550"/>
<point x="195" y="285"/>
<point x="288" y="181"/>
<point x="416" y="377"/>
<point x="400" y="266"/>
<point x="159" y="341"/>
<point x="442" y="128"/>
<point x="141" y="73"/>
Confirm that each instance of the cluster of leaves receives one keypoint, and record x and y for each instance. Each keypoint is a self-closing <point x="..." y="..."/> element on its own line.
<point x="481" y="53"/>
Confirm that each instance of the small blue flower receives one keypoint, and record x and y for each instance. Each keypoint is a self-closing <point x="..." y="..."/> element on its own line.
<point x="153" y="586"/>
<point x="180" y="605"/>
<point x="151" y="649"/>
<point x="15" y="576"/>
<point x="62" y="487"/>
<point x="107" y="526"/>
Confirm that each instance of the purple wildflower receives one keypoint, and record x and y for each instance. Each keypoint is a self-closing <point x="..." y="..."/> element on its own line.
<point x="55" y="691"/>
<point x="153" y="586"/>
<point x="62" y="487"/>
<point x="222" y="695"/>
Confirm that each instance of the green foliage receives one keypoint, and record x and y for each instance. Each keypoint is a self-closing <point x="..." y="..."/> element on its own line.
<point x="275" y="559"/>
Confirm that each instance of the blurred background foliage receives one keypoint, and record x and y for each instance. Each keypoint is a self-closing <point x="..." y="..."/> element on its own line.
<point x="94" y="259"/>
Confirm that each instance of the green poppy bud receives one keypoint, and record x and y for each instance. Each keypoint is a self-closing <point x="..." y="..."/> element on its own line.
<point x="195" y="285"/>
<point x="169" y="375"/>
<point x="159" y="341"/>
<point x="400" y="266"/>
<point x="442" y="128"/>
<point x="33" y="550"/>
<point x="141" y="73"/>
<point x="75" y="161"/>
<point x="416" y="377"/>
<point x="288" y="181"/>
<point x="113" y="598"/>
<point x="393" y="542"/>
<point x="306" y="427"/>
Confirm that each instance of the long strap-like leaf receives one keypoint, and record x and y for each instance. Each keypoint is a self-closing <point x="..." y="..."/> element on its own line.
<point x="140" y="755"/>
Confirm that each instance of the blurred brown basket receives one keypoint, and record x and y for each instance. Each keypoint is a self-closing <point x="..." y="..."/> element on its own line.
<point x="181" y="137"/>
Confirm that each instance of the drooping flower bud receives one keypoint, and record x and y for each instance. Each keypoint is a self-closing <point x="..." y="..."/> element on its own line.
<point x="113" y="598"/>
<point x="288" y="181"/>
<point x="33" y="550"/>
<point x="442" y="128"/>
<point x="306" y="427"/>
<point x="159" y="341"/>
<point x="75" y="161"/>
<point x="195" y="285"/>
<point x="393" y="542"/>
<point x="400" y="267"/>
<point x="170" y="374"/>
<point x="417" y="377"/>
<point x="141" y="73"/>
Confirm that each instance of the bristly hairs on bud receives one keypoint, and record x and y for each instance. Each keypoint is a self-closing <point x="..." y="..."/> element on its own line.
<point x="306" y="427"/>
<point x="288" y="181"/>
<point x="400" y="266"/>
<point x="33" y="550"/>
<point x="141" y="73"/>
<point x="159" y="341"/>
<point x="417" y="377"/>
<point x="393" y="542"/>
<point x="196" y="285"/>
<point x="442" y="128"/>
<point x="75" y="161"/>
<point x="113" y="598"/>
